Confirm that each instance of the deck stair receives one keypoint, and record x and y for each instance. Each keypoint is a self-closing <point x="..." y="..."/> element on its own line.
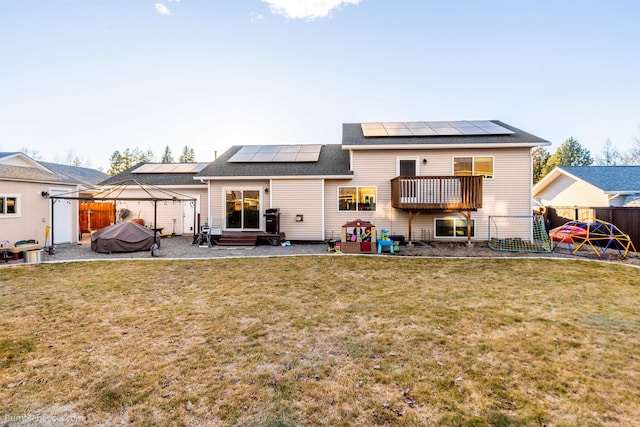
<point x="238" y="239"/>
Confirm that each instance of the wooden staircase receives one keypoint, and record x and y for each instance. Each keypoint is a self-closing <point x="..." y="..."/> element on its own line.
<point x="238" y="239"/>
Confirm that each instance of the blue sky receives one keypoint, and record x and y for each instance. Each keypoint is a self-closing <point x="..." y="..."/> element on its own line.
<point x="88" y="77"/>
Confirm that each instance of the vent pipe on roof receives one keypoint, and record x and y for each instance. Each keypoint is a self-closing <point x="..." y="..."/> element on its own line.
<point x="215" y="154"/>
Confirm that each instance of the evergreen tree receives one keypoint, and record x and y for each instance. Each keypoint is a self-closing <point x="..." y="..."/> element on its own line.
<point x="540" y="157"/>
<point x="570" y="153"/>
<point x="188" y="155"/>
<point x="122" y="161"/>
<point x="167" y="157"/>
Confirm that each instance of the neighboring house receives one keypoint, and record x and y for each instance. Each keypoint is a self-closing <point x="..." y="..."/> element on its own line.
<point x="25" y="207"/>
<point x="422" y="180"/>
<point x="590" y="186"/>
<point x="146" y="182"/>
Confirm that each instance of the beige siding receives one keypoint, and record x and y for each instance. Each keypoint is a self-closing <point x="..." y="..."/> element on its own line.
<point x="34" y="212"/>
<point x="299" y="197"/>
<point x="566" y="191"/>
<point x="217" y="214"/>
<point x="509" y="193"/>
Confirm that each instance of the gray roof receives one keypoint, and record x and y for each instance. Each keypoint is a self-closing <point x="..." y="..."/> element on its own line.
<point x="610" y="179"/>
<point x="20" y="173"/>
<point x="84" y="176"/>
<point x="352" y="136"/>
<point x="56" y="173"/>
<point x="178" y="179"/>
<point x="333" y="161"/>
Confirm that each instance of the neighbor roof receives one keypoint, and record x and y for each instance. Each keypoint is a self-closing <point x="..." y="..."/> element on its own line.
<point x="353" y="138"/>
<point x="610" y="179"/>
<point x="332" y="162"/>
<point x="84" y="176"/>
<point x="20" y="173"/>
<point x="167" y="178"/>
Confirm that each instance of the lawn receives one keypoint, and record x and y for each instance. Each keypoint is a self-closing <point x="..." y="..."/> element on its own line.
<point x="320" y="340"/>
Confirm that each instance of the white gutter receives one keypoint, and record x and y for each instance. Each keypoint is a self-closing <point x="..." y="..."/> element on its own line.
<point x="248" y="178"/>
<point x="443" y="146"/>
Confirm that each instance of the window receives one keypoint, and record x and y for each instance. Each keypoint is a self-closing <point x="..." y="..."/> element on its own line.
<point x="357" y="198"/>
<point x="407" y="166"/>
<point x="8" y="205"/>
<point x="453" y="227"/>
<point x="473" y="166"/>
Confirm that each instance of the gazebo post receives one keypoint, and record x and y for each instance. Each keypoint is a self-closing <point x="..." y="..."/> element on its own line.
<point x="155" y="220"/>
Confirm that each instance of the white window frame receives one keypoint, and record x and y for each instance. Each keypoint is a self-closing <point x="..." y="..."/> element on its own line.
<point x="357" y="187"/>
<point x="473" y="165"/>
<point x="454" y="219"/>
<point x="261" y="223"/>
<point x="18" y="212"/>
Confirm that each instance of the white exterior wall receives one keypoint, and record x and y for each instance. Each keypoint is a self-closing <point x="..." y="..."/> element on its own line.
<point x="299" y="197"/>
<point x="34" y="212"/>
<point x="617" y="201"/>
<point x="169" y="214"/>
<point x="566" y="191"/>
<point x="508" y="193"/>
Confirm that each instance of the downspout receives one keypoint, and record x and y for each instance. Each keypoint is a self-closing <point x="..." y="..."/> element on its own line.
<point x="324" y="231"/>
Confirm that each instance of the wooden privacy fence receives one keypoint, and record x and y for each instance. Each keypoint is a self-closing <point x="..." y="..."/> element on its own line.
<point x="96" y="215"/>
<point x="626" y="219"/>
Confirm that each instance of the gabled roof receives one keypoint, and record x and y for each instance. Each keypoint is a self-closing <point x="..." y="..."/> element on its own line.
<point x="169" y="178"/>
<point x="13" y="168"/>
<point x="20" y="173"/>
<point x="609" y="179"/>
<point x="83" y="176"/>
<point x="332" y="162"/>
<point x="16" y="158"/>
<point x="353" y="138"/>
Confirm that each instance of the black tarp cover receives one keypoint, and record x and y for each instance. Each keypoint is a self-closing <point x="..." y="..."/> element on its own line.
<point x="123" y="237"/>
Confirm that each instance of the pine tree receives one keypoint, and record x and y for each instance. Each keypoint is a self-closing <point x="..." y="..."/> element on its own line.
<point x="167" y="157"/>
<point x="540" y="157"/>
<point x="570" y="153"/>
<point x="122" y="161"/>
<point x="188" y="155"/>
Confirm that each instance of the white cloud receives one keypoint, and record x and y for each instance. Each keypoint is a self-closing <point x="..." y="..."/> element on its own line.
<point x="256" y="17"/>
<point x="162" y="9"/>
<point x="306" y="9"/>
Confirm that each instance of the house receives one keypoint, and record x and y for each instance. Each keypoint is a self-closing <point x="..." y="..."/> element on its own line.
<point x="26" y="210"/>
<point x="164" y="196"/>
<point x="590" y="186"/>
<point x="421" y="180"/>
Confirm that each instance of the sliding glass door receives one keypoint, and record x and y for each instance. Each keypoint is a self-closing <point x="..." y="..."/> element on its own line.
<point x="243" y="209"/>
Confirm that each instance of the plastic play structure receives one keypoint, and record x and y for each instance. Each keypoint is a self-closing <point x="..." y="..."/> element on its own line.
<point x="384" y="241"/>
<point x="590" y="238"/>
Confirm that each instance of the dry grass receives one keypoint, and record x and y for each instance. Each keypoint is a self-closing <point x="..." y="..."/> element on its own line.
<point x="320" y="341"/>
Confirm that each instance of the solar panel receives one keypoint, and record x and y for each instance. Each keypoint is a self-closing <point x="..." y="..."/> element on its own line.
<point x="437" y="128"/>
<point x="277" y="153"/>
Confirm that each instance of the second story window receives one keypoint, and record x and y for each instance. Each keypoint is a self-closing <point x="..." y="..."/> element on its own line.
<point x="473" y="166"/>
